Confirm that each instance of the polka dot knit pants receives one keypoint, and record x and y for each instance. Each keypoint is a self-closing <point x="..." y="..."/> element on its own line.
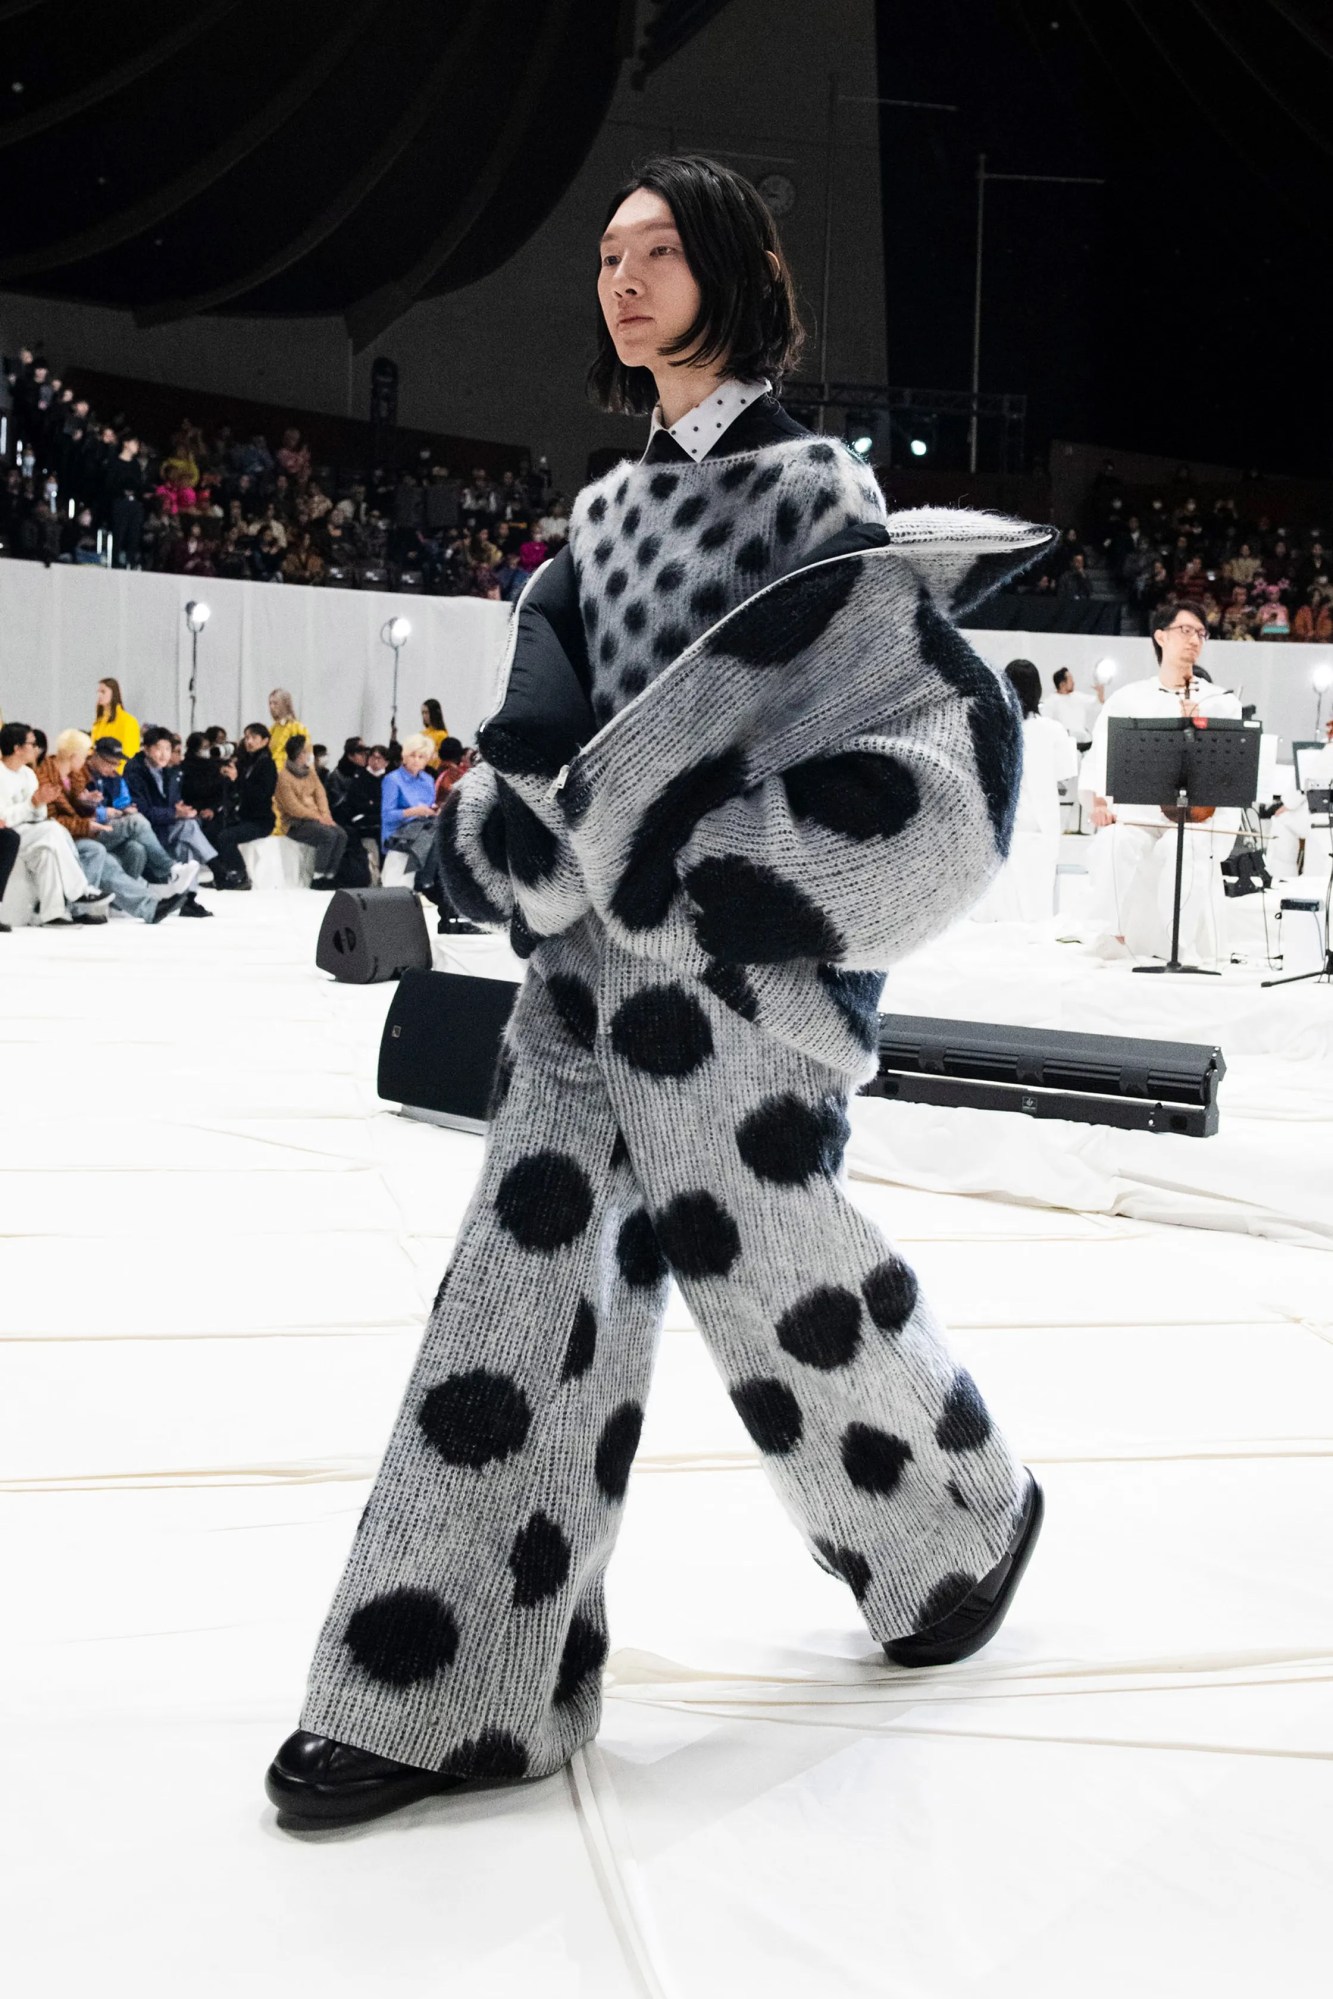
<point x="641" y="1125"/>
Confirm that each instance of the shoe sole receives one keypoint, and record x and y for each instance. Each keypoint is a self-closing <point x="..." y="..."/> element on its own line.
<point x="950" y="1654"/>
<point x="322" y="1818"/>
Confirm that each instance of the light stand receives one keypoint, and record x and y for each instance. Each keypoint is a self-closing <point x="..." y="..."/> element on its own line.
<point x="1321" y="679"/>
<point x="395" y="632"/>
<point x="196" y="617"/>
<point x="1318" y="799"/>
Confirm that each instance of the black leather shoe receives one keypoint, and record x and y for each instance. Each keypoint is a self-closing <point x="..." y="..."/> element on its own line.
<point x="975" y="1621"/>
<point x="315" y="1782"/>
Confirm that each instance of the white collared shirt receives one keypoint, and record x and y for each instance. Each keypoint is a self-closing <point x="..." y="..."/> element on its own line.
<point x="700" y="428"/>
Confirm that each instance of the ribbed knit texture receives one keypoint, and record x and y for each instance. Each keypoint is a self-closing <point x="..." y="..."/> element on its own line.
<point x="814" y="785"/>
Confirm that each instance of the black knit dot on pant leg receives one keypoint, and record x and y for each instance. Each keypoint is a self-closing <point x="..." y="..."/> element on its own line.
<point x="539" y="1560"/>
<point x="873" y="1459"/>
<point x="670" y="642"/>
<point x="749" y="914"/>
<point x="729" y="984"/>
<point x="608" y="648"/>
<point x="597" y="509"/>
<point x="965" y="1423"/>
<point x="890" y="1292"/>
<point x="669" y="577"/>
<point x="403" y="1637"/>
<point x="861" y="794"/>
<point x="648" y="550"/>
<point x="715" y="535"/>
<point x="771" y="1414"/>
<point x="630" y="524"/>
<point x="639" y="1253"/>
<point x="947" y="1594"/>
<point x="475" y="1418"/>
<point x="636" y="617"/>
<point x="698" y="1235"/>
<point x="709" y="600"/>
<point x="617" y="583"/>
<point x="616" y="1447"/>
<point x="632" y="682"/>
<point x="573" y="1000"/>
<point x="545" y="1201"/>
<point x="753" y="557"/>
<point x="494" y="1757"/>
<point x="584" y="1655"/>
<point x="604" y="550"/>
<point x="822" y="1329"/>
<point x="853" y="1568"/>
<point x="663" y="1031"/>
<point x="582" y="1344"/>
<point x="788" y="1142"/>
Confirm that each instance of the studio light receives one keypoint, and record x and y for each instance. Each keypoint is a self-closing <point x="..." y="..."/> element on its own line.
<point x="395" y="632"/>
<point x="398" y="631"/>
<point x="196" y="617"/>
<point x="1105" y="671"/>
<point x="918" y="447"/>
<point x="863" y="445"/>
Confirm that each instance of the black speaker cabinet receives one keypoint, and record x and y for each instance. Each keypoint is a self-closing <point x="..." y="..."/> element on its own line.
<point x="441" y="1045"/>
<point x="370" y="934"/>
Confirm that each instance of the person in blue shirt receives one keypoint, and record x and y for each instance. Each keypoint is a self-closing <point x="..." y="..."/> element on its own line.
<point x="107" y="799"/>
<point x="408" y="810"/>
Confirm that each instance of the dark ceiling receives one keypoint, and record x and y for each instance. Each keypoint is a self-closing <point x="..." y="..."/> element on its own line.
<point x="291" y="156"/>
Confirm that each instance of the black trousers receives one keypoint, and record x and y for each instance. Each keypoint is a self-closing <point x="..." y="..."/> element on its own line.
<point x="9" y="853"/>
<point x="229" y="843"/>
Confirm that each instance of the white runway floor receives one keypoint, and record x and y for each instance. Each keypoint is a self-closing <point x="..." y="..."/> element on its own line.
<point x="217" y="1252"/>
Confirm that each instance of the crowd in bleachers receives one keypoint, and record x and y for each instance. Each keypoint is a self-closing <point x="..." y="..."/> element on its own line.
<point x="79" y="490"/>
<point x="1247" y="574"/>
<point x="131" y="818"/>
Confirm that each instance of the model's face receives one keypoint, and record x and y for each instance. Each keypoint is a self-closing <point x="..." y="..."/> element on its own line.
<point x="647" y="292"/>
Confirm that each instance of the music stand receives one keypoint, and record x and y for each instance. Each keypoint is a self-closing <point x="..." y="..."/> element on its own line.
<point x="1199" y="761"/>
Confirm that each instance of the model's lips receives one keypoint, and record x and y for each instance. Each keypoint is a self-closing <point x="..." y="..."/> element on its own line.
<point x="633" y="319"/>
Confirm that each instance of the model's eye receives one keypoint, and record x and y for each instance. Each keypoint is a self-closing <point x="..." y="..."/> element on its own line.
<point x="664" y="249"/>
<point x="608" y="259"/>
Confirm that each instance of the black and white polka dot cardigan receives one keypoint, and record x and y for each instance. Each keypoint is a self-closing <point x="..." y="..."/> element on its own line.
<point x="662" y="551"/>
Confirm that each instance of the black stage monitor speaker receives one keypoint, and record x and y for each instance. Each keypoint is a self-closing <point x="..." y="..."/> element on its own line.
<point x="441" y="1045"/>
<point x="370" y="934"/>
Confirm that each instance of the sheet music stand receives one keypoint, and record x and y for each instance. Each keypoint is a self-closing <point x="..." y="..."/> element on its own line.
<point x="1175" y="764"/>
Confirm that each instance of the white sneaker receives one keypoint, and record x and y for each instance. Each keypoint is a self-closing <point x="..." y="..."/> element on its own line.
<point x="181" y="879"/>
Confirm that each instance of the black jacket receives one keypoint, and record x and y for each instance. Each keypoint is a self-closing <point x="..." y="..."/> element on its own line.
<point x="354" y="798"/>
<point x="153" y="794"/>
<point x="256" y="782"/>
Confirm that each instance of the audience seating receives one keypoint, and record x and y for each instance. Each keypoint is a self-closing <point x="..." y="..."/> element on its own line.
<point x="276" y="862"/>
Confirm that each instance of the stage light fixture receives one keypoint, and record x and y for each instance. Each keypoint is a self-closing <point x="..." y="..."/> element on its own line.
<point x="918" y="447"/>
<point x="863" y="445"/>
<point x="197" y="616"/>
<point x="395" y="632"/>
<point x="1105" y="671"/>
<point x="398" y="631"/>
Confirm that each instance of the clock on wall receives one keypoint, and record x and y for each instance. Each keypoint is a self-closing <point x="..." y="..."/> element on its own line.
<point x="778" y="194"/>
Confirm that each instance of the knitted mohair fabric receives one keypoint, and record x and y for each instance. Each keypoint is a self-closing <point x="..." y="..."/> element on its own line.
<point x="661" y="552"/>
<point x="820" y="778"/>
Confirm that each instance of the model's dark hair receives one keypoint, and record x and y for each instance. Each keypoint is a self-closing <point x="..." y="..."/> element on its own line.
<point x="1026" y="683"/>
<point x="747" y="313"/>
<point x="1166" y="616"/>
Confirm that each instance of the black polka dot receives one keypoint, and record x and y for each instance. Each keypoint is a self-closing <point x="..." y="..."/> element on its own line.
<point x="493" y="1757"/>
<point x="523" y="940"/>
<point x="874" y="1459"/>
<point x="863" y="794"/>
<point x="788" y="520"/>
<point x="789" y="1142"/>
<point x="604" y="550"/>
<point x="533" y="848"/>
<point x="663" y="484"/>
<point x="729" y="984"/>
<point x="584" y="1655"/>
<point x="639" y="1253"/>
<point x="608" y="648"/>
<point x="528" y="748"/>
<point x="698" y="1235"/>
<point x="752" y="556"/>
<point x="591" y="615"/>
<point x="461" y="886"/>
<point x="603" y="708"/>
<point x="648" y="550"/>
<point x="764" y="482"/>
<point x="619" y="1151"/>
<point x="648" y="885"/>
<point x="748" y="914"/>
<point x="789" y="619"/>
<point x="688" y="512"/>
<point x="636" y="617"/>
<point x="986" y="575"/>
<point x="617" y="582"/>
<point x="402" y="1638"/>
<point x="945" y="1597"/>
<point x="616" y="1447"/>
<point x="632" y="519"/>
<point x="572" y="998"/>
<point x="826" y="497"/>
<point x="995" y="730"/>
<point x="821" y="454"/>
<point x="670" y="576"/>
<point x="822" y="1329"/>
<point x="736" y="474"/>
<point x="493" y="837"/>
<point x="709" y="600"/>
<point x="597" y="509"/>
<point x="771" y="1414"/>
<point x="663" y="1031"/>
<point x="475" y="1418"/>
<point x="539" y="1560"/>
<point x="856" y="996"/>
<point x="715" y="534"/>
<point x="890" y="1292"/>
<point x="504" y="1076"/>
<point x="633" y="681"/>
<point x="965" y="1423"/>
<point x="621" y="491"/>
<point x="670" y="641"/>
<point x="847" y="1563"/>
<point x="544" y="1201"/>
<point x="582" y="1344"/>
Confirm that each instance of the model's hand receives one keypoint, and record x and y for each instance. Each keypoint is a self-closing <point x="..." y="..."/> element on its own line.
<point x="1102" y="814"/>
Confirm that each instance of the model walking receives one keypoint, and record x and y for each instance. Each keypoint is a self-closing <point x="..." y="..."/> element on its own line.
<point x="742" y="761"/>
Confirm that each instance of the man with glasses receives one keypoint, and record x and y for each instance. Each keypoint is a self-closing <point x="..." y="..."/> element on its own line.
<point x="1133" y="865"/>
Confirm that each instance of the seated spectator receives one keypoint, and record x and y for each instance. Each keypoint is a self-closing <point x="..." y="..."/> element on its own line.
<point x="303" y="563"/>
<point x="512" y="578"/>
<point x="1272" y="621"/>
<point x="354" y="800"/>
<point x="533" y="553"/>
<point x="1191" y="583"/>
<point x="256" y="782"/>
<point x="108" y="872"/>
<point x="127" y="834"/>
<point x="113" y="718"/>
<point x="1211" y="613"/>
<point x="379" y="764"/>
<point x="294" y="457"/>
<point x="1314" y="621"/>
<point x="1277" y="566"/>
<point x="1238" y="618"/>
<point x="303" y="807"/>
<point x="155" y="789"/>
<point x="454" y="761"/>
<point x="1074" y="581"/>
<point x="61" y="889"/>
<point x="203" y="782"/>
<point x="407" y="807"/>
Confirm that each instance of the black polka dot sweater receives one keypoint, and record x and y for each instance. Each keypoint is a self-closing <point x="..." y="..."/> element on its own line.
<point x="704" y="885"/>
<point x="662" y="551"/>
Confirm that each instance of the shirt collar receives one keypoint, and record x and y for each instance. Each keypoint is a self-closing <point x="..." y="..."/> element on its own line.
<point x="700" y="428"/>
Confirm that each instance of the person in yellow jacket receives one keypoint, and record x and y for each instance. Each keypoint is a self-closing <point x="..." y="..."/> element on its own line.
<point x="285" y="726"/>
<point x="114" y="718"/>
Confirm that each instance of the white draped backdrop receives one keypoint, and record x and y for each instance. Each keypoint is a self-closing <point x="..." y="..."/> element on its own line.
<point x="62" y="628"/>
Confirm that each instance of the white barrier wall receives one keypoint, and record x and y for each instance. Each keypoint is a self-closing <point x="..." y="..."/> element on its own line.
<point x="62" y="628"/>
<point x="1276" y="677"/>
